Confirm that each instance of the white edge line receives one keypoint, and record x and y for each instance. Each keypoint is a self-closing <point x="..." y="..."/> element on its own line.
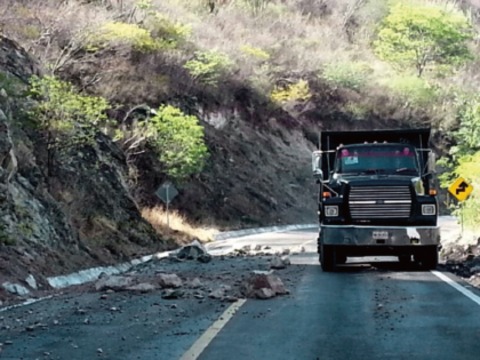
<point x="458" y="287"/>
<point x="203" y="341"/>
<point x="25" y="303"/>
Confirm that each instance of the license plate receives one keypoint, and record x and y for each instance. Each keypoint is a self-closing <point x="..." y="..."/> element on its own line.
<point x="380" y="235"/>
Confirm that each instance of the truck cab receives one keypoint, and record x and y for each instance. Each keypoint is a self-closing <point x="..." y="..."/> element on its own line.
<point x="376" y="196"/>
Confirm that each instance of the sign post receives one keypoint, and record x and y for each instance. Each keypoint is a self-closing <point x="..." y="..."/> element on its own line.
<point x="461" y="190"/>
<point x="166" y="192"/>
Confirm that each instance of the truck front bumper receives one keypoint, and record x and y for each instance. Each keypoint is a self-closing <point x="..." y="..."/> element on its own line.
<point x="381" y="236"/>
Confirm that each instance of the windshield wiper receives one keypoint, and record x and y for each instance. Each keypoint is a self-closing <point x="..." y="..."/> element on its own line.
<point x="364" y="172"/>
<point x="410" y="170"/>
<point x="373" y="171"/>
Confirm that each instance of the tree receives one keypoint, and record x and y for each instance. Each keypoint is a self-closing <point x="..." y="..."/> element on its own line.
<point x="65" y="117"/>
<point x="467" y="136"/>
<point x="179" y="141"/>
<point x="176" y="138"/>
<point x="422" y="36"/>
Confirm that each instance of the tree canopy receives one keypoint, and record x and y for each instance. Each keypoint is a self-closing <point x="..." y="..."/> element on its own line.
<point x="419" y="36"/>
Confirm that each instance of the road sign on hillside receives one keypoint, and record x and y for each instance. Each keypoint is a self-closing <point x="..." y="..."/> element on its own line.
<point x="461" y="189"/>
<point x="166" y="192"/>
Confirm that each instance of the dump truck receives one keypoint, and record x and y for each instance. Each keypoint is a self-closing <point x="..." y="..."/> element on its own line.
<point x="377" y="196"/>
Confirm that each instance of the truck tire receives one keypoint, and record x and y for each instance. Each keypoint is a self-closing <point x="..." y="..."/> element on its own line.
<point x="328" y="258"/>
<point x="427" y="257"/>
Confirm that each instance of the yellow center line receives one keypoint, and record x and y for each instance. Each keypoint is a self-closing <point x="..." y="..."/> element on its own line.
<point x="203" y="341"/>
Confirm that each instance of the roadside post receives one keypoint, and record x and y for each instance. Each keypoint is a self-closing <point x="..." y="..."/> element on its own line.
<point x="461" y="190"/>
<point x="166" y="192"/>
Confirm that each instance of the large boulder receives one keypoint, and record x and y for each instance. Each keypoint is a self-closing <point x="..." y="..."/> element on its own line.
<point x="194" y="251"/>
<point x="169" y="280"/>
<point x="263" y="285"/>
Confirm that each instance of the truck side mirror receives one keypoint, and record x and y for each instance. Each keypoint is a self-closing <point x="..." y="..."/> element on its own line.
<point x="432" y="160"/>
<point x="317" y="165"/>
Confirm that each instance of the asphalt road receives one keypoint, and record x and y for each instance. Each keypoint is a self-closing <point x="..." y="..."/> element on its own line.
<point x="358" y="313"/>
<point x="370" y="309"/>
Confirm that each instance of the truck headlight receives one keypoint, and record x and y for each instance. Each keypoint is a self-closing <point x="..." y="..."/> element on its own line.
<point x="331" y="210"/>
<point x="418" y="186"/>
<point x="429" y="209"/>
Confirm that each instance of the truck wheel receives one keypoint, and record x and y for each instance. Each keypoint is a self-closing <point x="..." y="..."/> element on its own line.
<point x="427" y="257"/>
<point x="328" y="258"/>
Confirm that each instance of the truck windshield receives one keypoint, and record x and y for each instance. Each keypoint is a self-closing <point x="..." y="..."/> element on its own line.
<point x="377" y="159"/>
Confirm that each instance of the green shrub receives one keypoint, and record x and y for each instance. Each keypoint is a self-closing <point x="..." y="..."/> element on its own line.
<point x="468" y="134"/>
<point x="178" y="140"/>
<point x="62" y="112"/>
<point x="167" y="33"/>
<point x="120" y="33"/>
<point x="412" y="89"/>
<point x="351" y="75"/>
<point x="298" y="91"/>
<point x="255" y="52"/>
<point x="466" y="138"/>
<point x="463" y="158"/>
<point x="357" y="110"/>
<point x="145" y="5"/>
<point x="208" y="66"/>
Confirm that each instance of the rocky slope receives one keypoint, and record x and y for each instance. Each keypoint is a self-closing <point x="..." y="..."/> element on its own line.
<point x="84" y="215"/>
<point x="86" y="211"/>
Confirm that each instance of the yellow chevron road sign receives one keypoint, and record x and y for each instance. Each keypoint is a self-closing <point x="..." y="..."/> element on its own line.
<point x="461" y="189"/>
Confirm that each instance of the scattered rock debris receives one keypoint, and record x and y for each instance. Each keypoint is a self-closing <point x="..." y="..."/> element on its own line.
<point x="187" y="274"/>
<point x="279" y="263"/>
<point x="464" y="261"/>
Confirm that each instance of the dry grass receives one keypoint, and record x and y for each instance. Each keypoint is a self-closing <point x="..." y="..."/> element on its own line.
<point x="50" y="31"/>
<point x="301" y="37"/>
<point x="157" y="217"/>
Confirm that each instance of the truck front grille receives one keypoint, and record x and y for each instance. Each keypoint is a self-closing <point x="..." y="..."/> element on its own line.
<point x="380" y="202"/>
